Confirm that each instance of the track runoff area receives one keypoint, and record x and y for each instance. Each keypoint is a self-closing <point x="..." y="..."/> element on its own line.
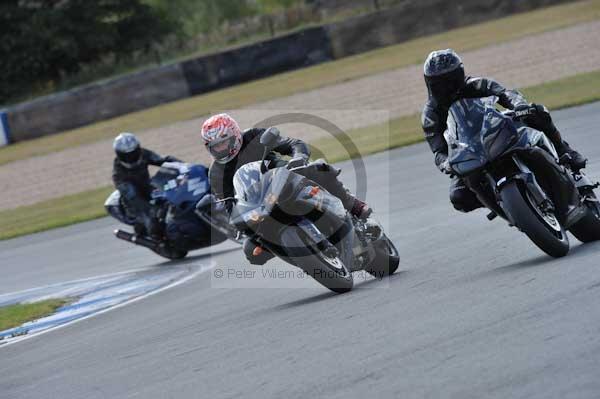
<point x="475" y="311"/>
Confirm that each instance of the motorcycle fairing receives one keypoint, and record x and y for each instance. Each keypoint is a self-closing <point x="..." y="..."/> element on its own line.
<point x="181" y="184"/>
<point x="258" y="193"/>
<point x="477" y="134"/>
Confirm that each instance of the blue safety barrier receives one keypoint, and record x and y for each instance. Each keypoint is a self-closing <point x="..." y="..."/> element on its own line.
<point x="4" y="129"/>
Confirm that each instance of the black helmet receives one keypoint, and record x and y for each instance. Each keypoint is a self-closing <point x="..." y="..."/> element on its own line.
<point x="444" y="74"/>
<point x="128" y="149"/>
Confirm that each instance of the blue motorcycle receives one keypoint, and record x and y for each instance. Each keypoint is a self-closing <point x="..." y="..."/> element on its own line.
<point x="178" y="187"/>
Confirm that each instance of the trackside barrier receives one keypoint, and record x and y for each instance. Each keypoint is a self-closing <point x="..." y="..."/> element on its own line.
<point x="4" y="129"/>
<point x="103" y="100"/>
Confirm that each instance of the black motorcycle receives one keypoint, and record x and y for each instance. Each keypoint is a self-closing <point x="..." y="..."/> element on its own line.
<point x="299" y="221"/>
<point x="516" y="173"/>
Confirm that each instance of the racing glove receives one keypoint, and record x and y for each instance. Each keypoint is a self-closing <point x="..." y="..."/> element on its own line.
<point x="441" y="161"/>
<point x="297" y="161"/>
<point x="525" y="110"/>
<point x="446" y="168"/>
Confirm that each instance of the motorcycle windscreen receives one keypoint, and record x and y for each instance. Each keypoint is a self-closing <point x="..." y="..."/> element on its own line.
<point x="248" y="184"/>
<point x="498" y="134"/>
<point x="257" y="193"/>
<point x="472" y="125"/>
<point x="251" y="188"/>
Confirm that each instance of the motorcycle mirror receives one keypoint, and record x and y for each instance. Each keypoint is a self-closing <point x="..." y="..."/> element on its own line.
<point x="263" y="164"/>
<point x="270" y="137"/>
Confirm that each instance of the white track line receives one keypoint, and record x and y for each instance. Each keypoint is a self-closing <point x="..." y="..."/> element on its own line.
<point x="202" y="270"/>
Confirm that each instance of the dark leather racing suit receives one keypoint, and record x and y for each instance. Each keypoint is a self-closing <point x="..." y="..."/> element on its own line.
<point x="134" y="185"/>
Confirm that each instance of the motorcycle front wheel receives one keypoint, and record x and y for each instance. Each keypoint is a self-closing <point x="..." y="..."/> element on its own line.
<point x="222" y="230"/>
<point x="540" y="226"/>
<point x="327" y="271"/>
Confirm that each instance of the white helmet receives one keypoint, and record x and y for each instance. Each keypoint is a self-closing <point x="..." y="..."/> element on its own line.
<point x="222" y="137"/>
<point x="128" y="149"/>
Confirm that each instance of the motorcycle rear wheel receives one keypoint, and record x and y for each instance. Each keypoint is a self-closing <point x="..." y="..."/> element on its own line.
<point x="541" y="228"/>
<point x="588" y="228"/>
<point x="171" y="254"/>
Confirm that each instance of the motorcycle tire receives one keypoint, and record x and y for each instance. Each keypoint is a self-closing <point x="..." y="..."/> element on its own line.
<point x="329" y="272"/>
<point x="386" y="259"/>
<point x="588" y="228"/>
<point x="171" y="253"/>
<point x="542" y="228"/>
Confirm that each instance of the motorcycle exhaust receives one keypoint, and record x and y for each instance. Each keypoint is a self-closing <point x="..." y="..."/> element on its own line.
<point x="137" y="240"/>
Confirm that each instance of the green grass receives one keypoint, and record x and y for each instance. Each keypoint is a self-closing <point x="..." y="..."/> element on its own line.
<point x="398" y="132"/>
<point x="568" y="92"/>
<point x="576" y="90"/>
<point x="14" y="315"/>
<point x="408" y="53"/>
<point x="54" y="213"/>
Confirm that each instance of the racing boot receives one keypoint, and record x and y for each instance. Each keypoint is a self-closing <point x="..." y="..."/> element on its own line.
<point x="152" y="227"/>
<point x="359" y="208"/>
<point x="542" y="120"/>
<point x="573" y="159"/>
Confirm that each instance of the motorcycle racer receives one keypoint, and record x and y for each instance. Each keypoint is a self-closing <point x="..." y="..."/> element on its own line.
<point x="231" y="148"/>
<point x="446" y="83"/>
<point x="131" y="177"/>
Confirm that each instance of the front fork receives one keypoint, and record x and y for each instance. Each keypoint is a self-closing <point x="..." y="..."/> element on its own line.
<point x="563" y="199"/>
<point x="527" y="177"/>
<point x="491" y="197"/>
<point x="345" y="243"/>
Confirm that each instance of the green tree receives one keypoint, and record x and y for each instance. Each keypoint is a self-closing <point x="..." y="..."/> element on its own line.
<point x="269" y="7"/>
<point x="42" y="41"/>
<point x="202" y="16"/>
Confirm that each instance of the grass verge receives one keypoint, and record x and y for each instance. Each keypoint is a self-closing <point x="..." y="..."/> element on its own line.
<point x="14" y="315"/>
<point x="398" y="132"/>
<point x="387" y="58"/>
<point x="54" y="213"/>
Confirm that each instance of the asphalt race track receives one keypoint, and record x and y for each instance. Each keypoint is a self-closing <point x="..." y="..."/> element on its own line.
<point x="476" y="311"/>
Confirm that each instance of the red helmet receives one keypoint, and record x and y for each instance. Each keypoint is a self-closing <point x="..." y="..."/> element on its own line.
<point x="222" y="137"/>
